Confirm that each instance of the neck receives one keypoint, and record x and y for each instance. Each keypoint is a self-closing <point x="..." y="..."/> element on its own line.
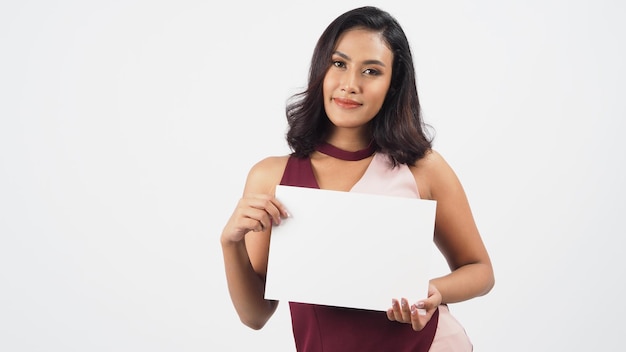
<point x="349" y="139"/>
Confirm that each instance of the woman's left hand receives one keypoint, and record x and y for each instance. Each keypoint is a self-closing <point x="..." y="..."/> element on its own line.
<point x="417" y="314"/>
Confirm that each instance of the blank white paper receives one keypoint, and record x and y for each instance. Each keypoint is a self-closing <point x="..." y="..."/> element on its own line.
<point x="350" y="249"/>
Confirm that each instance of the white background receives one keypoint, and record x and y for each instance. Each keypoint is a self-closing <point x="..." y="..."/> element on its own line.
<point x="127" y="129"/>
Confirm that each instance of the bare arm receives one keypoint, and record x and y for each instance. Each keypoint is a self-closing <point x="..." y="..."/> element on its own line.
<point x="245" y="243"/>
<point x="457" y="236"/>
<point x="458" y="239"/>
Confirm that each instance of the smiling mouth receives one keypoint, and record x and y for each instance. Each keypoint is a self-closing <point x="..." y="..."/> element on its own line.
<point x="347" y="103"/>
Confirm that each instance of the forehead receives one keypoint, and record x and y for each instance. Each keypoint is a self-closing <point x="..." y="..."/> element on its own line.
<point x="364" y="43"/>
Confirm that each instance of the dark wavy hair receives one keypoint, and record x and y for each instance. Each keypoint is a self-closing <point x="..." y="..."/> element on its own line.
<point x="398" y="129"/>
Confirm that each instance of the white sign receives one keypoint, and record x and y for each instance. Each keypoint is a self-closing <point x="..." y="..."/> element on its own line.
<point x="350" y="249"/>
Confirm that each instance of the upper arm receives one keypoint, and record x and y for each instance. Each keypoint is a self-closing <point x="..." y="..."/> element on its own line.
<point x="456" y="233"/>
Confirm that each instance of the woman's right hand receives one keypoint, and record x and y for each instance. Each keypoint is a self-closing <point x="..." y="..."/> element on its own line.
<point x="254" y="212"/>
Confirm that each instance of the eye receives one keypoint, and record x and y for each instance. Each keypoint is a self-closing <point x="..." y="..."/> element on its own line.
<point x="371" y="72"/>
<point x="339" y="64"/>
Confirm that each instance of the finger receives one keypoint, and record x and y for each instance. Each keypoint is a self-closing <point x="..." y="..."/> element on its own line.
<point x="254" y="219"/>
<point x="397" y="310"/>
<point x="283" y="213"/>
<point x="275" y="210"/>
<point x="390" y="314"/>
<point x="423" y="307"/>
<point x="433" y="300"/>
<point x="419" y="318"/>
<point x="405" y="310"/>
<point x="427" y="305"/>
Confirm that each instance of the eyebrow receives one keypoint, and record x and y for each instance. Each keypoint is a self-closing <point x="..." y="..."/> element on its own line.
<point x="366" y="62"/>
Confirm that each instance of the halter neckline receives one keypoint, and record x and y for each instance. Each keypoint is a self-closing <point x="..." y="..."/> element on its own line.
<point x="342" y="154"/>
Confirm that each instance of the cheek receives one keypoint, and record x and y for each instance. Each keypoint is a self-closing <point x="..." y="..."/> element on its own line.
<point x="328" y="87"/>
<point x="325" y="89"/>
<point x="381" y="93"/>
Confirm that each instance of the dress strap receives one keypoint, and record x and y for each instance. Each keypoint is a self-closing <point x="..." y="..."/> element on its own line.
<point x="299" y="172"/>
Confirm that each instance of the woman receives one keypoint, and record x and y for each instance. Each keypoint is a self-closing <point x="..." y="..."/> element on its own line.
<point x="360" y="114"/>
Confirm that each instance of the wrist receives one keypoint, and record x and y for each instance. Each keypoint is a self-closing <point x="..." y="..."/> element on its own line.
<point x="228" y="242"/>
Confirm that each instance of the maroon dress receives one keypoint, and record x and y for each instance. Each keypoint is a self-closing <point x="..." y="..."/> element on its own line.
<point x="318" y="328"/>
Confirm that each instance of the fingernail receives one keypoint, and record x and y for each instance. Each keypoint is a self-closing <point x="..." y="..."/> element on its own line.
<point x="420" y="304"/>
<point x="404" y="303"/>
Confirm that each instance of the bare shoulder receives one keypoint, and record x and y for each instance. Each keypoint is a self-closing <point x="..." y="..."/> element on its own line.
<point x="433" y="174"/>
<point x="266" y="174"/>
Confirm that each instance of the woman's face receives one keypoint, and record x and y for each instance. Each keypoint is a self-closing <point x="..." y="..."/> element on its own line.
<point x="357" y="82"/>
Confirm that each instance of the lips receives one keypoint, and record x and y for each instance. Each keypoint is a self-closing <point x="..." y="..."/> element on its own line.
<point x="347" y="103"/>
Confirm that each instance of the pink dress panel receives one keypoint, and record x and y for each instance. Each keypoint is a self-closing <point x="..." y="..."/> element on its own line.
<point x="380" y="178"/>
<point x="450" y="335"/>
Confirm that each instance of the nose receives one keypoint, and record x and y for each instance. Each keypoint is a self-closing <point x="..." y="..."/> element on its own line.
<point x="350" y="81"/>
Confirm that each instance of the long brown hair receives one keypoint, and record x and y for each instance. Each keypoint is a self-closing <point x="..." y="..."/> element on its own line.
<point x="398" y="129"/>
